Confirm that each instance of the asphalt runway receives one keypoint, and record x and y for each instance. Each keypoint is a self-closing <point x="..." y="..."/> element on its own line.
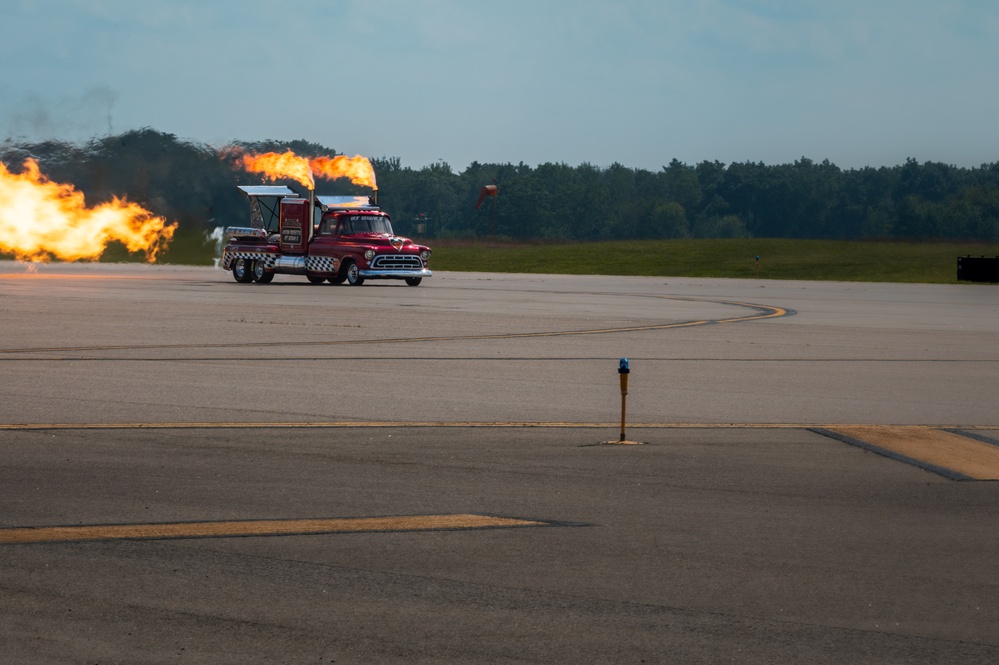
<point x="201" y="471"/>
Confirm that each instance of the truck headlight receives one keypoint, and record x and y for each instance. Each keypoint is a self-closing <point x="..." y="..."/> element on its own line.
<point x="425" y="254"/>
<point x="370" y="254"/>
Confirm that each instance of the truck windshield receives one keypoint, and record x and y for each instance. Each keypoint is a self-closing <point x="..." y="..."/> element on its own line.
<point x="365" y="224"/>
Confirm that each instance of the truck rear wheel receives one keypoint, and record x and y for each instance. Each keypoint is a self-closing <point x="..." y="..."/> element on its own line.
<point x="260" y="275"/>
<point x="242" y="271"/>
<point x="353" y="274"/>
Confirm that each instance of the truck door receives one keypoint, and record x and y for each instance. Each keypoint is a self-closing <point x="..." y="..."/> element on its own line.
<point x="295" y="225"/>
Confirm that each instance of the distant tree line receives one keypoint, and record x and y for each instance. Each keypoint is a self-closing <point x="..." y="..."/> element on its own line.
<point x="194" y="184"/>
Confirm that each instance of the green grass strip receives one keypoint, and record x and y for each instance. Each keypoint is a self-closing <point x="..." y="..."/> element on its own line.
<point x="932" y="263"/>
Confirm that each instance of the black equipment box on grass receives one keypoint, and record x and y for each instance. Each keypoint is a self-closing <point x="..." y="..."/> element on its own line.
<point x="978" y="269"/>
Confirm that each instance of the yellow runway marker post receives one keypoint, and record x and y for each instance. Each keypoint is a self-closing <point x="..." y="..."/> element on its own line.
<point x="623" y="371"/>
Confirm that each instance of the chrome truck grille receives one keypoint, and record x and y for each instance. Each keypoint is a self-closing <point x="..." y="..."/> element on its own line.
<point x="397" y="262"/>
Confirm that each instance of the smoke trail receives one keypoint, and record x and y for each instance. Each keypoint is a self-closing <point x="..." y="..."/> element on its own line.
<point x="69" y="117"/>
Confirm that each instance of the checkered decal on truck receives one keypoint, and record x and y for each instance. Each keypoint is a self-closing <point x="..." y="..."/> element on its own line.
<point x="229" y="257"/>
<point x="321" y="263"/>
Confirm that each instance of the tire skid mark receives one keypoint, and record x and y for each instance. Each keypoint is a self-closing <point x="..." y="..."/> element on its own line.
<point x="761" y="312"/>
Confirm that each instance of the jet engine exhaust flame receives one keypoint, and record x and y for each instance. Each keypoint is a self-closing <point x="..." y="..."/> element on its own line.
<point x="41" y="220"/>
<point x="357" y="168"/>
<point x="275" y="166"/>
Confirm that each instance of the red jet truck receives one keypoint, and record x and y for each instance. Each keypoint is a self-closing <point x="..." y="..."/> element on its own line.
<point x="326" y="238"/>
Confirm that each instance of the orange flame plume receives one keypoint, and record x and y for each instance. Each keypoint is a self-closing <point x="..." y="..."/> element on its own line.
<point x="275" y="166"/>
<point x="357" y="168"/>
<point x="41" y="219"/>
<point x="281" y="165"/>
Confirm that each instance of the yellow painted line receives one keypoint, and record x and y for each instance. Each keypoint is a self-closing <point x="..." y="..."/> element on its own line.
<point x="345" y="424"/>
<point x="931" y="448"/>
<point x="775" y="312"/>
<point x="260" y="528"/>
<point x="364" y="424"/>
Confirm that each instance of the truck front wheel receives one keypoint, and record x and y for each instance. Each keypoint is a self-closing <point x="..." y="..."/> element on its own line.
<point x="353" y="274"/>
<point x="414" y="281"/>
<point x="242" y="271"/>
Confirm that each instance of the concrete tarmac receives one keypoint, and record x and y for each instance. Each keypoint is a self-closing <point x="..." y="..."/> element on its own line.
<point x="470" y="413"/>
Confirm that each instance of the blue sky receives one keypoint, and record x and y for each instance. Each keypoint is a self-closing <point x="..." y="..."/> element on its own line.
<point x="861" y="83"/>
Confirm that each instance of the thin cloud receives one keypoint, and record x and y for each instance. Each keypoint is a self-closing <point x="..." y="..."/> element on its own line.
<point x="638" y="83"/>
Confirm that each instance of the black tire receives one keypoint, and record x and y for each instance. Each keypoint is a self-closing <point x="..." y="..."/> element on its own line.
<point x="338" y="278"/>
<point x="352" y="274"/>
<point x="414" y="281"/>
<point x="260" y="275"/>
<point x="242" y="271"/>
<point x="315" y="279"/>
